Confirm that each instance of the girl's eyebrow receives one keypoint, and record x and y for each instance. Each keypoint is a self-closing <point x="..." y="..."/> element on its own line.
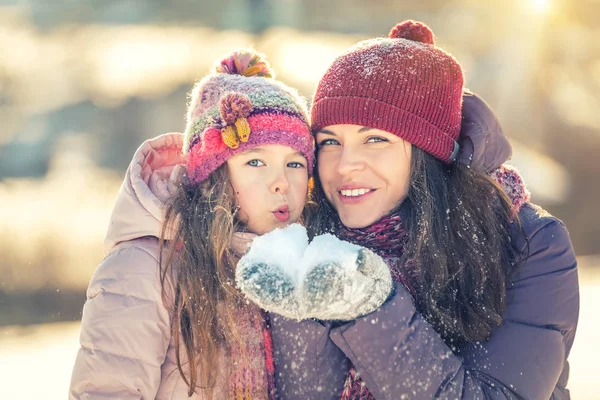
<point x="365" y="129"/>
<point x="252" y="150"/>
<point x="255" y="150"/>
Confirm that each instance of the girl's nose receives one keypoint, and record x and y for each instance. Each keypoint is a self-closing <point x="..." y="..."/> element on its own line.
<point x="280" y="184"/>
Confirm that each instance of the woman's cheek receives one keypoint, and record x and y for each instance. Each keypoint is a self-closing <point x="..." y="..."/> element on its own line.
<point x="326" y="164"/>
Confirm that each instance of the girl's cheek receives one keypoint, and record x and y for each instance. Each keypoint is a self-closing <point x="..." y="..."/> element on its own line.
<point x="241" y="194"/>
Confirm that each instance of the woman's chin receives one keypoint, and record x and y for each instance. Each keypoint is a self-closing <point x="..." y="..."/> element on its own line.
<point x="356" y="221"/>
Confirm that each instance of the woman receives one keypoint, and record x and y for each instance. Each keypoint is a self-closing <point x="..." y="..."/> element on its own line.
<point x="486" y="298"/>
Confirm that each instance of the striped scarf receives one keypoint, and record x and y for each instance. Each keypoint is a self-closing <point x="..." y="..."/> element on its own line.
<point x="386" y="238"/>
<point x="253" y="370"/>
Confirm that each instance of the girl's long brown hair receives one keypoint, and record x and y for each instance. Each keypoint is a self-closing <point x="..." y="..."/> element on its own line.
<point x="200" y="222"/>
<point x="197" y="264"/>
<point x="459" y="246"/>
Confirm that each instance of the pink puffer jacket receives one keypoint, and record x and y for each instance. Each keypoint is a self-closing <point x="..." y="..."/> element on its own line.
<point x="126" y="347"/>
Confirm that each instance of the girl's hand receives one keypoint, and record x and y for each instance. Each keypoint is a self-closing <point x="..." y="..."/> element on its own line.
<point x="268" y="272"/>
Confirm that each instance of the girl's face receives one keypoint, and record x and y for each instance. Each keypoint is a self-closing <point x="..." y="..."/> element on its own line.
<point x="271" y="183"/>
<point x="364" y="172"/>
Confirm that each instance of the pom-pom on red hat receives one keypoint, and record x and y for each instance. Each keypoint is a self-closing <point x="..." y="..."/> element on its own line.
<point x="402" y="84"/>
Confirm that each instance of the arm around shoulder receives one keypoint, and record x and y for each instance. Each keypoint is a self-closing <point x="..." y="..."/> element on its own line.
<point x="125" y="328"/>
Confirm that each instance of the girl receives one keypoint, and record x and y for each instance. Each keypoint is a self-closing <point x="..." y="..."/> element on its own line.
<point x="486" y="298"/>
<point x="163" y="319"/>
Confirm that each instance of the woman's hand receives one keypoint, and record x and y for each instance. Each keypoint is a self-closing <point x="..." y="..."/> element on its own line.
<point x="344" y="281"/>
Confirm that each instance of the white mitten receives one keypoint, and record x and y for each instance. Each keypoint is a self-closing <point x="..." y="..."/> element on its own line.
<point x="328" y="279"/>
<point x="270" y="272"/>
<point x="343" y="281"/>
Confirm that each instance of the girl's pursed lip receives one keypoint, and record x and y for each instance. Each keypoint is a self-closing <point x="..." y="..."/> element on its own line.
<point x="282" y="216"/>
<point x="283" y="209"/>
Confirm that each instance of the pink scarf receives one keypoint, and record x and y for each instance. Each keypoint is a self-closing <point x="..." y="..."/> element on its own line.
<point x="253" y="375"/>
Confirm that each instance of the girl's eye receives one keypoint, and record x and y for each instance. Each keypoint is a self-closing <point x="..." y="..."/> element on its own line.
<point x="255" y="163"/>
<point x="376" y="139"/>
<point x="295" y="165"/>
<point x="328" y="142"/>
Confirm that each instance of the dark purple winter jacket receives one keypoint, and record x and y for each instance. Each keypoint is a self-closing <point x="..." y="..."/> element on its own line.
<point x="399" y="355"/>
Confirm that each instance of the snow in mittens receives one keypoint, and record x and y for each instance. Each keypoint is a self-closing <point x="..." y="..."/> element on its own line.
<point x="328" y="279"/>
<point x="328" y="248"/>
<point x="283" y="247"/>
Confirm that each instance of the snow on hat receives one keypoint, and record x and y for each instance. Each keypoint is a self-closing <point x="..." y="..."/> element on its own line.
<point x="402" y="84"/>
<point x="240" y="106"/>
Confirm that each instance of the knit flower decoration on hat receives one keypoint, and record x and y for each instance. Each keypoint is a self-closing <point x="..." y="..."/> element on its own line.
<point x="234" y="109"/>
<point x="240" y="106"/>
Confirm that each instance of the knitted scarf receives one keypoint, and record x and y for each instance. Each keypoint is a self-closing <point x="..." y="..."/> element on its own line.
<point x="252" y="375"/>
<point x="387" y="238"/>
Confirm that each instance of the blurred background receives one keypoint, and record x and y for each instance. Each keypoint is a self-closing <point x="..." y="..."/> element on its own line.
<point x="83" y="83"/>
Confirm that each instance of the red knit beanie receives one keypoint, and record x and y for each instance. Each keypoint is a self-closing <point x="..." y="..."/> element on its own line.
<point x="403" y="84"/>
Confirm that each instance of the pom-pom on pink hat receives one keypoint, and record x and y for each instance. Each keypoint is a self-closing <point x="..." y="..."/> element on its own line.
<point x="402" y="84"/>
<point x="240" y="106"/>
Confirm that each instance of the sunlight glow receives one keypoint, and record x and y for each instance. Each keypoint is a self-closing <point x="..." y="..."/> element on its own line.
<point x="540" y="6"/>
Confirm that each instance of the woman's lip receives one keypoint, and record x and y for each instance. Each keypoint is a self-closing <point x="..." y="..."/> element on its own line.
<point x="354" y="199"/>
<point x="352" y="186"/>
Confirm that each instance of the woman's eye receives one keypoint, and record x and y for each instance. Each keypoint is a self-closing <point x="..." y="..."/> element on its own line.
<point x="295" y="165"/>
<point x="255" y="163"/>
<point x="376" y="139"/>
<point x="328" y="142"/>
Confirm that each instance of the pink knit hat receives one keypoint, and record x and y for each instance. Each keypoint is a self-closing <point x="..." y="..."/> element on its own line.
<point x="402" y="84"/>
<point x="240" y="106"/>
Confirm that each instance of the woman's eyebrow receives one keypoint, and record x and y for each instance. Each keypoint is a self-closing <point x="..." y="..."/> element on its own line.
<point x="326" y="132"/>
<point x="364" y="129"/>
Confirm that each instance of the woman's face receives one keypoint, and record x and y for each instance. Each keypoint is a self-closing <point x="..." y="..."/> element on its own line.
<point x="270" y="184"/>
<point x="364" y="172"/>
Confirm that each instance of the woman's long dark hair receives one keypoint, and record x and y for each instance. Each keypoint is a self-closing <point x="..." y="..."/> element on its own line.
<point x="458" y="246"/>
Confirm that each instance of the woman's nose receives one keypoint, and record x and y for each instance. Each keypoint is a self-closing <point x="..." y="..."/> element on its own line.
<point x="350" y="161"/>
